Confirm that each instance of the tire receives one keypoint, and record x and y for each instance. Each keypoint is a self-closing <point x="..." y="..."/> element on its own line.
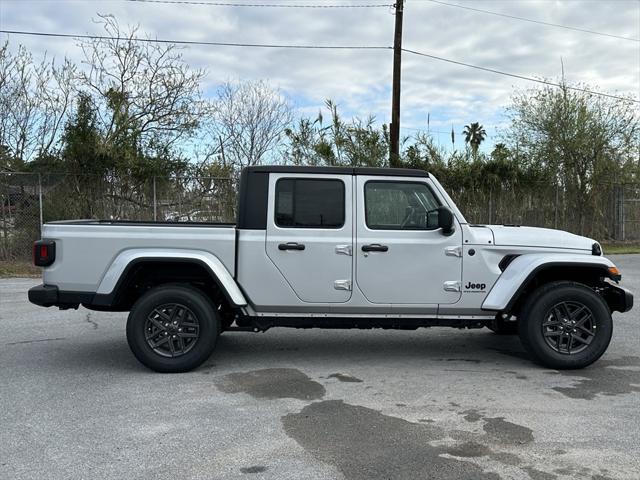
<point x="500" y="327"/>
<point x="546" y="331"/>
<point x="172" y="328"/>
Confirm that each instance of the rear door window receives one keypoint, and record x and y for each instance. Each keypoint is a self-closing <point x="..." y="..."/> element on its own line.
<point x="309" y="203"/>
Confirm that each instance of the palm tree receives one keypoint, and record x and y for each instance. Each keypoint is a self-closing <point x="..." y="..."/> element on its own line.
<point x="474" y="135"/>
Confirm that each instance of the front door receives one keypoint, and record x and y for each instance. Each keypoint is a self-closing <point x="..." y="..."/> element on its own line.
<point x="401" y="256"/>
<point x="310" y="234"/>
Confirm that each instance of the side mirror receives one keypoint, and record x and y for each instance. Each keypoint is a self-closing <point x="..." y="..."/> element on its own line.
<point x="445" y="220"/>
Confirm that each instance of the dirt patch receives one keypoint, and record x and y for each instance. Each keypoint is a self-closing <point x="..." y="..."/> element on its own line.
<point x="272" y="383"/>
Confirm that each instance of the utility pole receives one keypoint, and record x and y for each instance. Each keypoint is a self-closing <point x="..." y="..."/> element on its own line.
<point x="394" y="128"/>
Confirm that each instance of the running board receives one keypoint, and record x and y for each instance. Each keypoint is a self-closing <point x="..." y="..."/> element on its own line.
<point x="263" y="323"/>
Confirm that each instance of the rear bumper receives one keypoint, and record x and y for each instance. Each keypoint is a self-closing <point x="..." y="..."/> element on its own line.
<point x="50" y="295"/>
<point x="44" y="295"/>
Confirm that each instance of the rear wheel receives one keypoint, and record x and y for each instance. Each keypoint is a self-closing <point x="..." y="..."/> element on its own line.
<point x="565" y="325"/>
<point x="172" y="328"/>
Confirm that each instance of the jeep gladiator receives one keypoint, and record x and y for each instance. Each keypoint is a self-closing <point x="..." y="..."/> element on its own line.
<point x="333" y="247"/>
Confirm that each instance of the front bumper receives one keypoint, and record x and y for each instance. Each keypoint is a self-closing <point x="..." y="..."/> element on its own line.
<point x="619" y="298"/>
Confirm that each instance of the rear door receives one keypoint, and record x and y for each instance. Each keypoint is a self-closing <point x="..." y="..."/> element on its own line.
<point x="310" y="234"/>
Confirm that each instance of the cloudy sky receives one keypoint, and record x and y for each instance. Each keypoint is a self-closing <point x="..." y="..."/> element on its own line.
<point x="359" y="81"/>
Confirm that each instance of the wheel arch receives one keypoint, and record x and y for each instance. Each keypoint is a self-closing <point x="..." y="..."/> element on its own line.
<point x="525" y="274"/>
<point x="157" y="267"/>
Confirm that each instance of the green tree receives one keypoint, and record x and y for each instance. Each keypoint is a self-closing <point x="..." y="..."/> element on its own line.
<point x="474" y="135"/>
<point x="583" y="142"/>
<point x="349" y="143"/>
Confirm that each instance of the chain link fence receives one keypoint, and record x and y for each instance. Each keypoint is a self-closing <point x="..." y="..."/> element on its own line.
<point x="608" y="212"/>
<point x="27" y="200"/>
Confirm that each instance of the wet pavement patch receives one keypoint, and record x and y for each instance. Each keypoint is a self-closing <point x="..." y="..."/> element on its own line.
<point x="253" y="469"/>
<point x="272" y="383"/>
<point x="521" y="354"/>
<point x="469" y="449"/>
<point x="471" y="415"/>
<point x="536" y="474"/>
<point x="605" y="377"/>
<point x="467" y="360"/>
<point x="363" y="443"/>
<point x="506" y="432"/>
<point x="343" y="377"/>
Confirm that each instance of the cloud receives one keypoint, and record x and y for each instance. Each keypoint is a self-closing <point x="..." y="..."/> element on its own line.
<point x="359" y="81"/>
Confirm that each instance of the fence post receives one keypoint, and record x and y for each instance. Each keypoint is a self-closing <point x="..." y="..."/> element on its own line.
<point x="490" y="205"/>
<point x="155" y="203"/>
<point x="40" y="201"/>
<point x="622" y="213"/>
<point x="555" y="220"/>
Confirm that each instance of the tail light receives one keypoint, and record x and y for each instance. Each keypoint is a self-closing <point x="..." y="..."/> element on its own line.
<point x="44" y="253"/>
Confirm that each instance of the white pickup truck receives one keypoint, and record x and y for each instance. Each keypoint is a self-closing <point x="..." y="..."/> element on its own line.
<point x="335" y="248"/>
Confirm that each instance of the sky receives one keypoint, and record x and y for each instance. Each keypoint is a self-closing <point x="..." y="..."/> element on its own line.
<point x="359" y="81"/>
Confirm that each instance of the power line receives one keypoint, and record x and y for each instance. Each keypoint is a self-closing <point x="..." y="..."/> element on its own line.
<point x="194" y="42"/>
<point x="313" y="47"/>
<point x="515" y="75"/>
<point x="267" y="5"/>
<point x="530" y="20"/>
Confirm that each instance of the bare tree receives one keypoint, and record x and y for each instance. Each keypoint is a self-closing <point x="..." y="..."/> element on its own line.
<point x="143" y="89"/>
<point x="34" y="100"/>
<point x="249" y="122"/>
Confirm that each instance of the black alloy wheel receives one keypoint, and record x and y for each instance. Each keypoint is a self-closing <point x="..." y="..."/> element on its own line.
<point x="569" y="327"/>
<point x="172" y="330"/>
<point x="565" y="325"/>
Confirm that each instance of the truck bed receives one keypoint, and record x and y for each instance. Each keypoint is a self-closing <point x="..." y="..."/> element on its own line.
<point x="86" y="248"/>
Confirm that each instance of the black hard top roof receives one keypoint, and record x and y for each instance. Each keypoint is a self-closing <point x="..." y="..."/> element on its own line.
<point x="398" y="172"/>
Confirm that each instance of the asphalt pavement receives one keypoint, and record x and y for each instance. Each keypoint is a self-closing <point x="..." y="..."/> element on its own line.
<point x="310" y="404"/>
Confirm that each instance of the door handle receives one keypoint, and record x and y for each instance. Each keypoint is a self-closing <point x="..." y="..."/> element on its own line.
<point x="375" y="247"/>
<point x="291" y="246"/>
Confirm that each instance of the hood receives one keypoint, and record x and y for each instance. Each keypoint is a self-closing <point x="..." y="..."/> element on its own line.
<point x="538" y="237"/>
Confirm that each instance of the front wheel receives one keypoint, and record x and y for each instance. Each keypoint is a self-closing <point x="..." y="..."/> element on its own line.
<point x="565" y="325"/>
<point x="172" y="328"/>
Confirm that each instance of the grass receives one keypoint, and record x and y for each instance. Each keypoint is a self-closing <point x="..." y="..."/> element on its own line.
<point x="18" y="268"/>
<point x="620" y="247"/>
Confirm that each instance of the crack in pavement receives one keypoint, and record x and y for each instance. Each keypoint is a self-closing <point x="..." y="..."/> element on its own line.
<point x="25" y="342"/>
<point x="92" y="322"/>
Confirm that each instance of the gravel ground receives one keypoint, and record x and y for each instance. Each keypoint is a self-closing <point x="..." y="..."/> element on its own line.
<point x="432" y="403"/>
